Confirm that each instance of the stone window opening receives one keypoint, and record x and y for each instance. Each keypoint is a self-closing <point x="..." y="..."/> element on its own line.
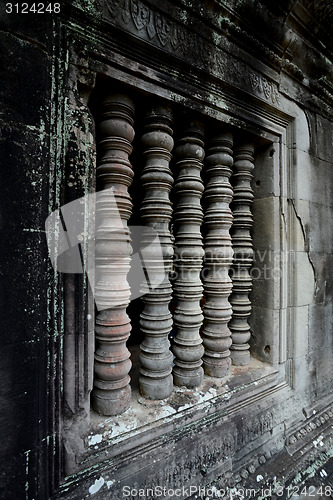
<point x="172" y="168"/>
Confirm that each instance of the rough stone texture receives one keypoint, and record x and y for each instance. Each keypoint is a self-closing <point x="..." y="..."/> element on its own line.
<point x="24" y="145"/>
<point x="262" y="69"/>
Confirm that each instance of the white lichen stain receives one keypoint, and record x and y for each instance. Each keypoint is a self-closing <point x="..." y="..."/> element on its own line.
<point x="94" y="488"/>
<point x="27" y="473"/>
<point x="318" y="441"/>
<point x="146" y="414"/>
<point x="183" y="16"/>
<point x="217" y="38"/>
<point x="95" y="439"/>
<point x="109" y="484"/>
<point x="259" y="478"/>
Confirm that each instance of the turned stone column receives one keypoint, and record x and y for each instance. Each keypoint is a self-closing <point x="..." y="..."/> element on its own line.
<point x="218" y="256"/>
<point x="243" y="254"/>
<point x="111" y="393"/>
<point x="188" y="216"/>
<point x="155" y="320"/>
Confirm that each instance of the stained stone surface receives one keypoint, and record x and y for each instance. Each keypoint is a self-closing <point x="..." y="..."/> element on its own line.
<point x="264" y="72"/>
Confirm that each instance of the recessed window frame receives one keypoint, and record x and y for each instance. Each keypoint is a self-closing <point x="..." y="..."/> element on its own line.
<point x="276" y="129"/>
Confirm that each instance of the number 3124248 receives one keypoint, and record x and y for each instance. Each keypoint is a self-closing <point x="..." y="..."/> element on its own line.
<point x="34" y="8"/>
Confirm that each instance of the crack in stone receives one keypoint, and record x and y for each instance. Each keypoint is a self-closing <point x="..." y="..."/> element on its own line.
<point x="306" y="246"/>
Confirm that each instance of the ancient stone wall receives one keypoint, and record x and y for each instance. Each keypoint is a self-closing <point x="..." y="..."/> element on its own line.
<point x="253" y="84"/>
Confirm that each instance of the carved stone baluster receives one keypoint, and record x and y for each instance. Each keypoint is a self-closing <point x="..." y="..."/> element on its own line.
<point x="188" y="216"/>
<point x="218" y="257"/>
<point x="112" y="394"/>
<point x="156" y="211"/>
<point x="243" y="254"/>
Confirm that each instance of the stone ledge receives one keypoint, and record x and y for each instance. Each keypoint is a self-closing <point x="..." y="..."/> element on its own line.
<point x="147" y="423"/>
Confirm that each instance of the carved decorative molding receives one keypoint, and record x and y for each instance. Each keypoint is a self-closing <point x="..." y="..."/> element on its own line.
<point x="112" y="394"/>
<point x="243" y="254"/>
<point x="219" y="449"/>
<point x="156" y="321"/>
<point x="218" y="257"/>
<point x="165" y="32"/>
<point x="236" y="479"/>
<point x="159" y="27"/>
<point x="324" y="88"/>
<point x="188" y="217"/>
<point x="313" y="424"/>
<point x="254" y="429"/>
<point x="242" y="75"/>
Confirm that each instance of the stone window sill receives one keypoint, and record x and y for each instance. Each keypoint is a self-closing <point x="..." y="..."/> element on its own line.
<point x="146" y="420"/>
